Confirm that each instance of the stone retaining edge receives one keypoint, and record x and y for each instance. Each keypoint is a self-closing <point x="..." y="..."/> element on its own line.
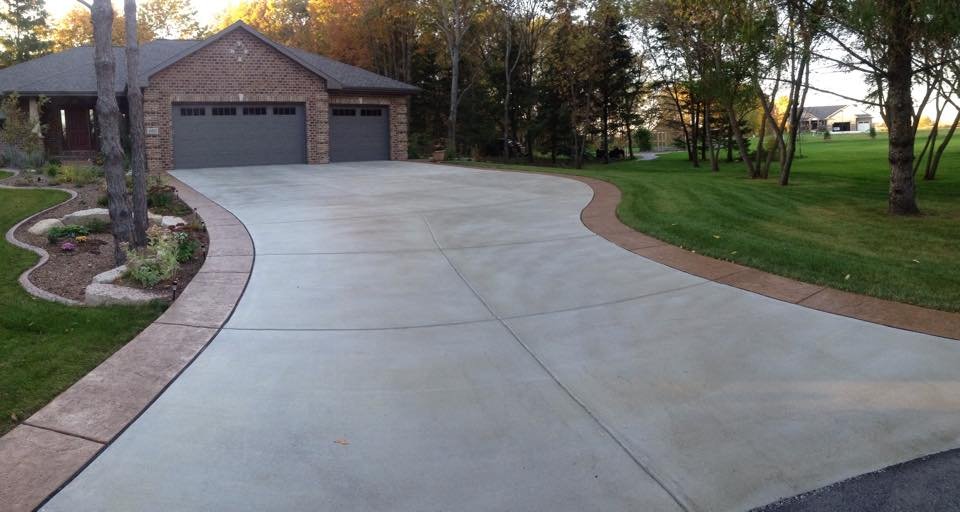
<point x="45" y="452"/>
<point x="24" y="278"/>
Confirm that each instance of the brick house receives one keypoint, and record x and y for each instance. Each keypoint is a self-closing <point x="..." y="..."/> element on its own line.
<point x="234" y="99"/>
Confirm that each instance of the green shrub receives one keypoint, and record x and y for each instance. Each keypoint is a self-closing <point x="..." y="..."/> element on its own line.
<point x="157" y="261"/>
<point x="872" y="132"/>
<point x="160" y="196"/>
<point x="97" y="226"/>
<point x="70" y="231"/>
<point x="826" y="135"/>
<point x="79" y="176"/>
<point x="22" y="159"/>
<point x="103" y="201"/>
<point x="187" y="246"/>
<point x="644" y="139"/>
<point x="52" y="169"/>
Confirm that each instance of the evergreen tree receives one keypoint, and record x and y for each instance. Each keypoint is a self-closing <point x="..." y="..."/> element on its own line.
<point x="614" y="63"/>
<point x="23" y="24"/>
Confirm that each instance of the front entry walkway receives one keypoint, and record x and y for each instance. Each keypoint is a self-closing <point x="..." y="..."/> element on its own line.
<point x="419" y="337"/>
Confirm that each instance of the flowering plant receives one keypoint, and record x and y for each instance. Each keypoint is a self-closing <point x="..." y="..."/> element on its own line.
<point x="68" y="247"/>
<point x="80" y="239"/>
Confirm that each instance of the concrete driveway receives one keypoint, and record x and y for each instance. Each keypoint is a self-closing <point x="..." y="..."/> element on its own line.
<point x="418" y="337"/>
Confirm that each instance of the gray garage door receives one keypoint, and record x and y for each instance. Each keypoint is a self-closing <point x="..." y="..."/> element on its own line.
<point x="359" y="133"/>
<point x="222" y="135"/>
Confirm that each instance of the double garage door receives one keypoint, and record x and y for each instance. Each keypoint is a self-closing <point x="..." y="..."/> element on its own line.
<point x="226" y="135"/>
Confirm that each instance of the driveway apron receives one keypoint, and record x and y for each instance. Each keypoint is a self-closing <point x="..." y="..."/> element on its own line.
<point x="423" y="337"/>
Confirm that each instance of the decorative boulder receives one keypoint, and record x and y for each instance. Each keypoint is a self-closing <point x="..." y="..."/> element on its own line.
<point x="42" y="226"/>
<point x="110" y="275"/>
<point x="154" y="218"/>
<point x="101" y="294"/>
<point x="169" y="221"/>
<point x="84" y="217"/>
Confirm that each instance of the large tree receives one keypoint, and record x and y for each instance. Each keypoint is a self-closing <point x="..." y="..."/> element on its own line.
<point x="169" y="19"/>
<point x="23" y="27"/>
<point x="613" y="63"/>
<point x="108" y="118"/>
<point x="453" y="19"/>
<point x="885" y="40"/>
<point x="138" y="161"/>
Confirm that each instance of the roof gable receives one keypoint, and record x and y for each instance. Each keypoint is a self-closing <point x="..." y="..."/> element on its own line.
<point x="823" y="112"/>
<point x="332" y="83"/>
<point x="71" y="72"/>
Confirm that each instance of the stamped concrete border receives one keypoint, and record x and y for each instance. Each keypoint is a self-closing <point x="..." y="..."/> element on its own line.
<point x="600" y="216"/>
<point x="46" y="451"/>
<point x="24" y="278"/>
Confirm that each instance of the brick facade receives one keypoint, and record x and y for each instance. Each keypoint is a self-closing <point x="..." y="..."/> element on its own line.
<point x="239" y="67"/>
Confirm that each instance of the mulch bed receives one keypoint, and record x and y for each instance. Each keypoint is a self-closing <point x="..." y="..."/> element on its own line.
<point x="68" y="273"/>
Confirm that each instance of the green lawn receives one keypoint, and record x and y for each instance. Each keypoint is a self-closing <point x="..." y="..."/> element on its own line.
<point x="45" y="347"/>
<point x="828" y="227"/>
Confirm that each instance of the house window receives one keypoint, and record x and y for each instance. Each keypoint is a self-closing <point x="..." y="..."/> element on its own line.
<point x="344" y="112"/>
<point x="224" y="111"/>
<point x="285" y="111"/>
<point x="254" y="111"/>
<point x="370" y="112"/>
<point x="193" y="111"/>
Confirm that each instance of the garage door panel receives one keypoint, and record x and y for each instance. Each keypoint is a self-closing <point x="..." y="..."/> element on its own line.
<point x="359" y="132"/>
<point x="201" y="139"/>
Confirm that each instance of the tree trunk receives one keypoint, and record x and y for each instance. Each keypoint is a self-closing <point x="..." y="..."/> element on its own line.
<point x="454" y="100"/>
<point x="108" y="117"/>
<point x="604" y="128"/>
<point x="931" y="172"/>
<point x="695" y="136"/>
<point x="138" y="159"/>
<point x="629" y="138"/>
<point x="507" y="71"/>
<point x="902" y="196"/>
<point x="741" y="143"/>
<point x="708" y="138"/>
<point x="706" y="134"/>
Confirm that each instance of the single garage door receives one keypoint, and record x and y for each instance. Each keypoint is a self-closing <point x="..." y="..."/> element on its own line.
<point x="359" y="132"/>
<point x="223" y="135"/>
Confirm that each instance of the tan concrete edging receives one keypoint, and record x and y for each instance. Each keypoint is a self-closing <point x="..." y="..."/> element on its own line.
<point x="24" y="278"/>
<point x="600" y="216"/>
<point x="42" y="453"/>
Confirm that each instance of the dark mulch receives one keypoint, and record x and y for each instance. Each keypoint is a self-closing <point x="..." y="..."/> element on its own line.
<point x="68" y="273"/>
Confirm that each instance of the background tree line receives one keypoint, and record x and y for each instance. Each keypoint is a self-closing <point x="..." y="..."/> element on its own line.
<point x="564" y="79"/>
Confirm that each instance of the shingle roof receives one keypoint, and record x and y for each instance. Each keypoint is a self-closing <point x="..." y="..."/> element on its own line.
<point x="71" y="72"/>
<point x="822" y="112"/>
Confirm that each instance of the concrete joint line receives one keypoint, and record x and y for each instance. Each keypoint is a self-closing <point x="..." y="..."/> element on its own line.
<point x="678" y="498"/>
<point x="64" y="433"/>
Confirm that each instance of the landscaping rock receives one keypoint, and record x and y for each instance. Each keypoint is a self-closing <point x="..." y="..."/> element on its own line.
<point x="110" y="276"/>
<point x="84" y="217"/>
<point x="154" y="218"/>
<point x="42" y="226"/>
<point x="169" y="221"/>
<point x="101" y="294"/>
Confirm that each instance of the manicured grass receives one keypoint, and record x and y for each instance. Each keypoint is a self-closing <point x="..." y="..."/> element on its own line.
<point x="45" y="347"/>
<point x="828" y="227"/>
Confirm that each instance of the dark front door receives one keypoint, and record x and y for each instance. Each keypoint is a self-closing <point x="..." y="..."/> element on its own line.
<point x="77" y="129"/>
<point x="238" y="134"/>
<point x="359" y="132"/>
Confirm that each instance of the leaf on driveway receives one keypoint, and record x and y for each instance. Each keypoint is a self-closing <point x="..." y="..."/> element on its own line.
<point x="342" y="442"/>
